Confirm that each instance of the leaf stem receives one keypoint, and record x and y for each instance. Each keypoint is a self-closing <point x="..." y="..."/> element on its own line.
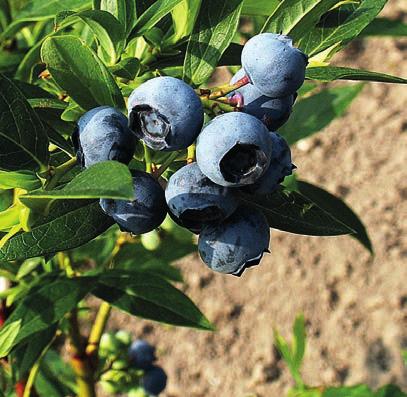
<point x="170" y="159"/>
<point x="191" y="153"/>
<point x="217" y="107"/>
<point x="147" y="159"/>
<point x="59" y="172"/>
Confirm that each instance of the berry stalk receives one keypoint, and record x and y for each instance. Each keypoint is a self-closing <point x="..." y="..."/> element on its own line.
<point x="223" y="90"/>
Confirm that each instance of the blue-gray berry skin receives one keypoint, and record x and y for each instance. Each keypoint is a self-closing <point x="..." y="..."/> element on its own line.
<point x="234" y="149"/>
<point x="154" y="380"/>
<point x="141" y="354"/>
<point x="280" y="167"/>
<point x="165" y="113"/>
<point x="273" y="65"/>
<point x="103" y="134"/>
<point x="195" y="200"/>
<point x="237" y="243"/>
<point x="145" y="212"/>
<point x="273" y="112"/>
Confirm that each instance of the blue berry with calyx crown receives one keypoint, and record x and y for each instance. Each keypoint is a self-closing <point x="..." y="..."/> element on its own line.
<point x="280" y="167"/>
<point x="195" y="200"/>
<point x="274" y="66"/>
<point x="165" y="113"/>
<point x="102" y="134"/>
<point x="273" y="112"/>
<point x="154" y="380"/>
<point x="234" y="149"/>
<point x="145" y="212"/>
<point x="141" y="354"/>
<point x="237" y="243"/>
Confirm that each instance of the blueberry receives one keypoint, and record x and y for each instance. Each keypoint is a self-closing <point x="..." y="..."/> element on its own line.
<point x="273" y="112"/>
<point x="141" y="354"/>
<point x="234" y="149"/>
<point x="280" y="167"/>
<point x="195" y="199"/>
<point x="235" y="244"/>
<point x="154" y="380"/>
<point x="273" y="65"/>
<point x="146" y="212"/>
<point x="102" y="134"/>
<point x="165" y="113"/>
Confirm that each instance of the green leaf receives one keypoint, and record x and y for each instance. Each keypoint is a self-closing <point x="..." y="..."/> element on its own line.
<point x="108" y="31"/>
<point x="154" y="14"/>
<point x="146" y="295"/>
<point x="8" y="334"/>
<point x="23" y="142"/>
<point x="385" y="27"/>
<point x="259" y="7"/>
<point x="127" y="68"/>
<point x="340" y="25"/>
<point x="78" y="70"/>
<point x="296" y="17"/>
<point x="69" y="224"/>
<point x="213" y="32"/>
<point x="298" y="344"/>
<point x="390" y="391"/>
<point x="330" y="73"/>
<point x="294" y="213"/>
<point x="23" y="179"/>
<point x="336" y="207"/>
<point x="123" y="10"/>
<point x="108" y="179"/>
<point x="315" y="112"/>
<point x="184" y="16"/>
<point x="44" y="306"/>
<point x="354" y="391"/>
<point x="40" y="9"/>
<point x="9" y="61"/>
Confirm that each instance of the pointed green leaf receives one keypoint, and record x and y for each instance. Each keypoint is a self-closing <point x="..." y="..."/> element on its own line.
<point x="330" y="73"/>
<point x="40" y="9"/>
<point x="23" y="142"/>
<point x="23" y="179"/>
<point x="78" y="70"/>
<point x="123" y="10"/>
<point x="385" y="27"/>
<point x="296" y="17"/>
<point x="315" y="112"/>
<point x="213" y="32"/>
<point x="294" y="213"/>
<point x="69" y="224"/>
<point x="158" y="10"/>
<point x="127" y="68"/>
<point x="149" y="296"/>
<point x="298" y="344"/>
<point x="8" y="334"/>
<point x="354" y="391"/>
<point x="42" y="307"/>
<point x="336" y="207"/>
<point x="340" y="25"/>
<point x="259" y="7"/>
<point x="184" y="16"/>
<point x="108" y="179"/>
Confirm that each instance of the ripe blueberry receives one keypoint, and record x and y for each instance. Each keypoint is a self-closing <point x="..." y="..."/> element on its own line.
<point x="234" y="149"/>
<point x="146" y="212"/>
<point x="280" y="167"/>
<point x="102" y="134"/>
<point x="273" y="65"/>
<point x="273" y="112"/>
<point x="195" y="200"/>
<point x="235" y="244"/>
<point x="141" y="354"/>
<point x="165" y="113"/>
<point x="154" y="380"/>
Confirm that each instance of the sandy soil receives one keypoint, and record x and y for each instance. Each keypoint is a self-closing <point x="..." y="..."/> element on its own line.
<point x="355" y="305"/>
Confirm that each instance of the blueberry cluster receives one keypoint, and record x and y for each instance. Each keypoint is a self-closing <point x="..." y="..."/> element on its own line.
<point x="131" y="366"/>
<point x="236" y="153"/>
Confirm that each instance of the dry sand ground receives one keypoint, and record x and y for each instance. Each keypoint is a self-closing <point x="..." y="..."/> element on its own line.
<point x="356" y="305"/>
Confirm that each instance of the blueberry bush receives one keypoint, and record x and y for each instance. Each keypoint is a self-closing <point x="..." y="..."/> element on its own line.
<point x="118" y="157"/>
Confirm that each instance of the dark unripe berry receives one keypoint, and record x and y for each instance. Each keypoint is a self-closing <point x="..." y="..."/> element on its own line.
<point x="237" y="243"/>
<point x="165" y="113"/>
<point x="102" y="134"/>
<point x="195" y="200"/>
<point x="234" y="149"/>
<point x="141" y="354"/>
<point x="154" y="380"/>
<point x="145" y="212"/>
<point x="273" y="65"/>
